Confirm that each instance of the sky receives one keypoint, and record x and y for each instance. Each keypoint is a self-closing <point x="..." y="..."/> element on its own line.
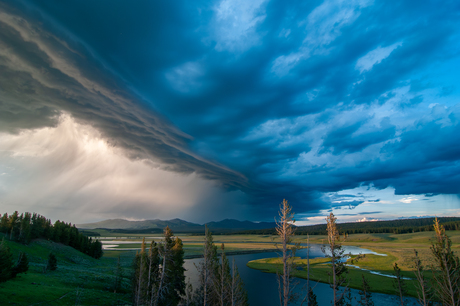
<point x="206" y="110"/>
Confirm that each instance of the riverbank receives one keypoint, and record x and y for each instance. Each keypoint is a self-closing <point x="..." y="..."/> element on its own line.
<point x="320" y="269"/>
<point x="397" y="248"/>
<point x="232" y="253"/>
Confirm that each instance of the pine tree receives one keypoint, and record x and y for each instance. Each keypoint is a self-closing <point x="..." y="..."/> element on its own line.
<point x="223" y="278"/>
<point x="52" y="262"/>
<point x="165" y="271"/>
<point x="447" y="281"/>
<point x="24" y="228"/>
<point x="22" y="264"/>
<point x="285" y="231"/>
<point x="339" y="270"/>
<point x="347" y="299"/>
<point x="153" y="270"/>
<point x="140" y="276"/>
<point x="423" y="290"/>
<point x="175" y="277"/>
<point x="13" y="225"/>
<point x="4" y="223"/>
<point x="6" y="262"/>
<point x="118" y="276"/>
<point x="365" y="293"/>
<point x="238" y="295"/>
<point x="312" y="298"/>
<point x="399" y="285"/>
<point x="188" y="298"/>
<point x="206" y="294"/>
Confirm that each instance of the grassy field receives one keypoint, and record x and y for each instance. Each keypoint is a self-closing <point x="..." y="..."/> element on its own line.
<point x="398" y="248"/>
<point x="78" y="280"/>
<point x="83" y="280"/>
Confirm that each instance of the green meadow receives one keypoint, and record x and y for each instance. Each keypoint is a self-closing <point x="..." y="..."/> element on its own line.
<point x="83" y="280"/>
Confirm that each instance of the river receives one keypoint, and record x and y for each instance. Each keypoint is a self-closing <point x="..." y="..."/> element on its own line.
<point x="263" y="287"/>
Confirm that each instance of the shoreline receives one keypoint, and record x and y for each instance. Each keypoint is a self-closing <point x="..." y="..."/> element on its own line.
<point x="232" y="253"/>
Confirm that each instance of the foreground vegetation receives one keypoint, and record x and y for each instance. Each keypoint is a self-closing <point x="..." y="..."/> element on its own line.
<point x="426" y="264"/>
<point x="78" y="280"/>
<point x="83" y="280"/>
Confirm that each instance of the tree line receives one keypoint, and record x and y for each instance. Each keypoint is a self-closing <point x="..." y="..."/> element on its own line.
<point x="159" y="279"/>
<point x="27" y="226"/>
<point x="371" y="227"/>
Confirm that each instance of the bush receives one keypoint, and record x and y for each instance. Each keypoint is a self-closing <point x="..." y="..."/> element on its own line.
<point x="52" y="262"/>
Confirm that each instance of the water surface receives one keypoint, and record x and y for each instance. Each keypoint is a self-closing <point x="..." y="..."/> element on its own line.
<point x="263" y="287"/>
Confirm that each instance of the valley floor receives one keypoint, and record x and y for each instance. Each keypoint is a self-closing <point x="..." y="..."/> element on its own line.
<point x="83" y="280"/>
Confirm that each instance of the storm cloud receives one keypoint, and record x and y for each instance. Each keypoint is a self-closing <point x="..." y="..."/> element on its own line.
<point x="267" y="99"/>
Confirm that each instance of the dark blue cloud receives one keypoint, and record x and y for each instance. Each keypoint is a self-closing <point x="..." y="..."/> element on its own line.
<point x="299" y="98"/>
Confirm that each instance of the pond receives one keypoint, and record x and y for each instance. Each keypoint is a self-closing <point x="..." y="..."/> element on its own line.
<point x="263" y="287"/>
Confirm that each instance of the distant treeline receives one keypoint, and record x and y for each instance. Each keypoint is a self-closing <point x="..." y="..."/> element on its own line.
<point x="194" y="232"/>
<point x="393" y="227"/>
<point x="133" y="231"/>
<point x="25" y="227"/>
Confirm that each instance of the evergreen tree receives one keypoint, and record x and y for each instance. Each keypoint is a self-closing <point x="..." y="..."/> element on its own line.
<point x="52" y="262"/>
<point x="347" y="299"/>
<point x="285" y="231"/>
<point x="223" y="278"/>
<point x="171" y="283"/>
<point x="177" y="272"/>
<point x="447" y="281"/>
<point x="140" y="289"/>
<point x="188" y="299"/>
<point x="13" y="225"/>
<point x="22" y="265"/>
<point x="6" y="262"/>
<point x="399" y="285"/>
<point x="423" y="290"/>
<point x="96" y="249"/>
<point x="335" y="252"/>
<point x="159" y="275"/>
<point x="238" y="295"/>
<point x="118" y="276"/>
<point x="24" y="228"/>
<point x="312" y="298"/>
<point x="153" y="273"/>
<point x="206" y="294"/>
<point x="365" y="293"/>
<point x="4" y="223"/>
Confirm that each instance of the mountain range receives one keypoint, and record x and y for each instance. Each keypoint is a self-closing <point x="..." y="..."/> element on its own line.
<point x="176" y="225"/>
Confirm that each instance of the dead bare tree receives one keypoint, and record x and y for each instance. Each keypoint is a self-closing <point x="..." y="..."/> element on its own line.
<point x="140" y="275"/>
<point x="285" y="231"/>
<point x="339" y="270"/>
<point x="309" y="297"/>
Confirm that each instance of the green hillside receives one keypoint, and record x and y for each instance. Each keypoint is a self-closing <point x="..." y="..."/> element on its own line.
<point x="78" y="280"/>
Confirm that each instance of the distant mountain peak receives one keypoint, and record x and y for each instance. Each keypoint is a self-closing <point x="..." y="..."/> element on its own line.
<point x="177" y="225"/>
